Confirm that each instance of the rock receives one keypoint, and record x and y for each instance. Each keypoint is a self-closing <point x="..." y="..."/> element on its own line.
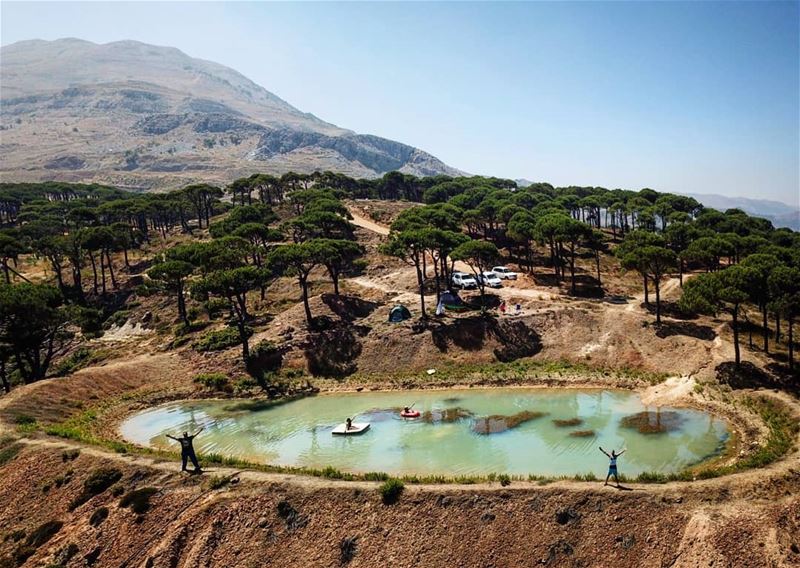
<point x="628" y="541"/>
<point x="795" y="548"/>
<point x="488" y="517"/>
<point x="443" y="501"/>
<point x="263" y="522"/>
<point x="617" y="518"/>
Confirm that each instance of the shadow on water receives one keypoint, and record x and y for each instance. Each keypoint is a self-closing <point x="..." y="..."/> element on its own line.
<point x="653" y="422"/>
<point x="445" y="415"/>
<point x="497" y="423"/>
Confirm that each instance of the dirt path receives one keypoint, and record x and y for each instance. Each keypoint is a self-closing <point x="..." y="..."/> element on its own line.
<point x="368" y="224"/>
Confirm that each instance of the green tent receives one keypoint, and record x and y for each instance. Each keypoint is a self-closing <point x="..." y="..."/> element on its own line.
<point x="399" y="313"/>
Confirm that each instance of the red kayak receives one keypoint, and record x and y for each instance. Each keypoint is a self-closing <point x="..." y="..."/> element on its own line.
<point x="410" y="414"/>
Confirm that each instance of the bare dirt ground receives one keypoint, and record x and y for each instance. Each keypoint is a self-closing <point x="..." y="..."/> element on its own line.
<point x="746" y="519"/>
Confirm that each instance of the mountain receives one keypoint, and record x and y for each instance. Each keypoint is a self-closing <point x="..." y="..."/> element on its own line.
<point x="781" y="214"/>
<point x="149" y="117"/>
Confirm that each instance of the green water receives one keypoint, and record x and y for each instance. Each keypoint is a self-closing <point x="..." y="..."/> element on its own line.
<point x="299" y="433"/>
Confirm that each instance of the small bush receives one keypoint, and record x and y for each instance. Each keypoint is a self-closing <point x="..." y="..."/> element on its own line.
<point x="347" y="549"/>
<point x="98" y="516"/>
<point x="215" y="307"/>
<point x="290" y="515"/>
<point x="138" y="500"/>
<point x="504" y="480"/>
<point x="218" y="481"/>
<point x="214" y="381"/>
<point x="99" y="480"/>
<point x="264" y="358"/>
<point x="391" y="489"/>
<point x="69" y="455"/>
<point x="9" y="452"/>
<point x="182" y="330"/>
<point x="220" y="339"/>
<point x="376" y="476"/>
<point x="25" y="423"/>
<point x="89" y="320"/>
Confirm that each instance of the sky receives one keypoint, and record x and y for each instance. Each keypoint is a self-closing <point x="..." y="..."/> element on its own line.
<point x="687" y="97"/>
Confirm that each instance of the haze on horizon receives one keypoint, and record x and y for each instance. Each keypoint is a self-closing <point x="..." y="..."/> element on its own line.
<point x="683" y="97"/>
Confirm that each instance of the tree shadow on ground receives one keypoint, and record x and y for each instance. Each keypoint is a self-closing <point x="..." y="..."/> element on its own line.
<point x="749" y="376"/>
<point x="668" y="329"/>
<point x="349" y="308"/>
<point x="670" y="309"/>
<point x="585" y="287"/>
<point x="516" y="339"/>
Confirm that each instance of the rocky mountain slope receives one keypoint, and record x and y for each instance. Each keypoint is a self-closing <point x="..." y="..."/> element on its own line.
<point x="143" y="116"/>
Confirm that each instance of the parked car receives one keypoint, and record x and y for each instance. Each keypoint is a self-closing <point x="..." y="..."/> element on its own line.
<point x="504" y="273"/>
<point x="490" y="279"/>
<point x="463" y="280"/>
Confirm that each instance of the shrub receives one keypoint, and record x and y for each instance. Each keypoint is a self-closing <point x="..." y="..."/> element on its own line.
<point x="214" y="381"/>
<point x="69" y="455"/>
<point x="347" y="549"/>
<point x="138" y="500"/>
<point x="9" y="452"/>
<point x="99" y="480"/>
<point x="290" y="515"/>
<point x="219" y="340"/>
<point x="25" y="423"/>
<point x="504" y="480"/>
<point x="264" y="358"/>
<point x="376" y="476"/>
<point x="391" y="489"/>
<point x="218" y="481"/>
<point x="89" y="320"/>
<point x="215" y="307"/>
<point x="98" y="516"/>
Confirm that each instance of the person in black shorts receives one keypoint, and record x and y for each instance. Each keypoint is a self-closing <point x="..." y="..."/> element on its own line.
<point x="612" y="465"/>
<point x="187" y="450"/>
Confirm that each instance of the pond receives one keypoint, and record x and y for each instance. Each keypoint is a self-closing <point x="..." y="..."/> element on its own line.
<point x="547" y="432"/>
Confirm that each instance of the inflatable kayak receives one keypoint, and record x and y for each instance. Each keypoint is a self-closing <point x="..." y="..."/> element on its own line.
<point x="355" y="428"/>
<point x="410" y="414"/>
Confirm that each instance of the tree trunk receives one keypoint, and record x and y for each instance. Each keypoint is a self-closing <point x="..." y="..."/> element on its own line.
<point x="735" y="326"/>
<point x="657" y="285"/>
<point x="421" y="284"/>
<point x="4" y="377"/>
<point x="777" y="327"/>
<point x="6" y="272"/>
<point x="306" y="307"/>
<point x="94" y="272"/>
<point x="791" y="342"/>
<point x="646" y="291"/>
<point x="111" y="270"/>
<point x="765" y="328"/>
<point x="182" y="304"/>
<point x="103" y="272"/>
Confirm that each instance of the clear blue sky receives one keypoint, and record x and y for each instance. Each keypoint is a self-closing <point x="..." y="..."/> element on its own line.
<point x="695" y="97"/>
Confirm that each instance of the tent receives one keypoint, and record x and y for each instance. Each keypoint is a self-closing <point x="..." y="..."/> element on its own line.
<point x="450" y="300"/>
<point x="399" y="313"/>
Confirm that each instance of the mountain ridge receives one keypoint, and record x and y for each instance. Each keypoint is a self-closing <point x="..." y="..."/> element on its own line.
<point x="148" y="117"/>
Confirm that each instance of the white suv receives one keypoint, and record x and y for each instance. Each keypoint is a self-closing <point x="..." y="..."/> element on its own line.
<point x="504" y="273"/>
<point x="463" y="280"/>
<point x="490" y="279"/>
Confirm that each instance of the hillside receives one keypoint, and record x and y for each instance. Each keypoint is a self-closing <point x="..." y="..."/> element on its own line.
<point x="148" y="117"/>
